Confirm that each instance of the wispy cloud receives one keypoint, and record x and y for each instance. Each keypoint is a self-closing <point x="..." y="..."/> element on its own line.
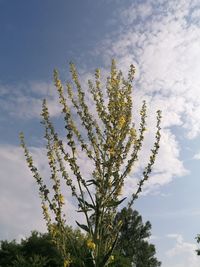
<point x="24" y="101"/>
<point x="162" y="39"/>
<point x="18" y="204"/>
<point x="197" y="156"/>
<point x="19" y="200"/>
<point x="165" y="47"/>
<point x="182" y="254"/>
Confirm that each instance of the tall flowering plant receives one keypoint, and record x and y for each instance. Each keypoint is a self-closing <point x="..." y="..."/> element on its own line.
<point x="111" y="143"/>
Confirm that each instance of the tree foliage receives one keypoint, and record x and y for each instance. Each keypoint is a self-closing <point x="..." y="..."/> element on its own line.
<point x="39" y="251"/>
<point x="198" y="241"/>
<point x="110" y="141"/>
<point x="133" y="245"/>
<point x="8" y="252"/>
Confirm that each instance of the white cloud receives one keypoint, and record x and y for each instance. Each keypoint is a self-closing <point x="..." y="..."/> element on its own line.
<point x="167" y="165"/>
<point x="166" y="49"/>
<point x="136" y="12"/>
<point x="164" y="45"/>
<point x="182" y="254"/>
<point x="24" y="101"/>
<point x="17" y="184"/>
<point x="19" y="200"/>
<point x="162" y="39"/>
<point x="197" y="156"/>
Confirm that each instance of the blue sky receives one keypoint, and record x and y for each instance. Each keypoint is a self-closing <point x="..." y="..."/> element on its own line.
<point x="162" y="39"/>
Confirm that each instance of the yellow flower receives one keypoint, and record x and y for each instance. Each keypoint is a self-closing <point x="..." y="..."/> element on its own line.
<point x="67" y="263"/>
<point x="97" y="73"/>
<point x="111" y="151"/>
<point x="45" y="208"/>
<point x="109" y="183"/>
<point x="119" y="94"/>
<point x="90" y="244"/>
<point x="112" y="257"/>
<point x="133" y="132"/>
<point x="119" y="191"/>
<point x="62" y="199"/>
<point x="53" y="230"/>
<point x="58" y="83"/>
<point x="121" y="121"/>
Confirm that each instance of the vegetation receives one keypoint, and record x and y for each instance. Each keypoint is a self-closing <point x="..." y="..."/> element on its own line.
<point x="133" y="246"/>
<point x="39" y="251"/>
<point x="111" y="142"/>
<point x="198" y="241"/>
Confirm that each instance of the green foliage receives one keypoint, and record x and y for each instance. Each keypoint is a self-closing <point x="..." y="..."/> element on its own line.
<point x="133" y="245"/>
<point x="110" y="142"/>
<point x="198" y="241"/>
<point x="41" y="244"/>
<point x="39" y="251"/>
<point x="8" y="252"/>
<point x="34" y="261"/>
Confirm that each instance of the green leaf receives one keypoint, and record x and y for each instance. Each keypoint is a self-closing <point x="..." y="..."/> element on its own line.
<point x="114" y="203"/>
<point x="83" y="226"/>
<point x="84" y="202"/>
<point x="107" y="256"/>
<point x="115" y="174"/>
<point x="92" y="181"/>
<point x="86" y="210"/>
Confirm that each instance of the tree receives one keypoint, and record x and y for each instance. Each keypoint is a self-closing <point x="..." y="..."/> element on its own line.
<point x="110" y="141"/>
<point x="40" y="245"/>
<point x="8" y="252"/>
<point x="34" y="261"/>
<point x="198" y="241"/>
<point x="35" y="251"/>
<point x="39" y="251"/>
<point x="133" y="245"/>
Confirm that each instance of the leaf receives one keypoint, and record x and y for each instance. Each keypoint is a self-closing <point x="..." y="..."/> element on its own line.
<point x="115" y="175"/>
<point x="86" y="210"/>
<point x="84" y="202"/>
<point x="114" y="203"/>
<point x="92" y="181"/>
<point x="107" y="256"/>
<point x="83" y="226"/>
